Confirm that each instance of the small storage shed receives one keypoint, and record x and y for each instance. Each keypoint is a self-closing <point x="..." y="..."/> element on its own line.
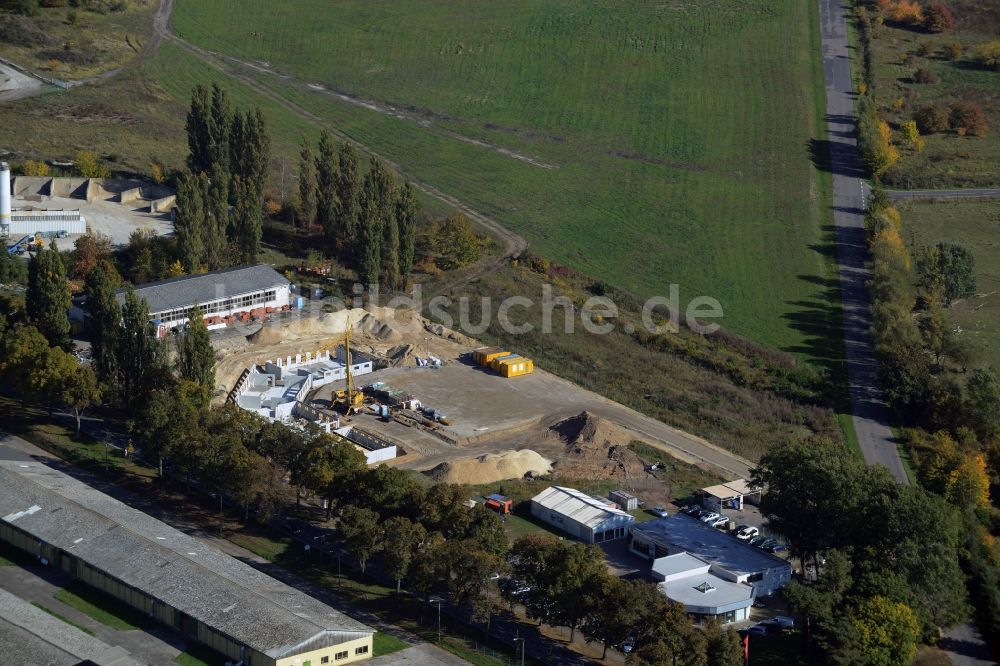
<point x="625" y="501"/>
<point x="513" y="366"/>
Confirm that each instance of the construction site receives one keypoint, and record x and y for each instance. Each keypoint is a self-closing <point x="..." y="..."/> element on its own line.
<point x="449" y="410"/>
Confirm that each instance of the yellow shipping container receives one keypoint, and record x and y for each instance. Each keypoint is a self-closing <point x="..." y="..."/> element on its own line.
<point x="495" y="363"/>
<point x="515" y="367"/>
<point x="485" y="355"/>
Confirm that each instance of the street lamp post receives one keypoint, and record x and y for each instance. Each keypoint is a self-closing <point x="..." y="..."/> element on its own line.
<point x="438" y="601"/>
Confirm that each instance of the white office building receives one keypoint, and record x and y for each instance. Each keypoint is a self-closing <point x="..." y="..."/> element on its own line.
<point x="704" y="589"/>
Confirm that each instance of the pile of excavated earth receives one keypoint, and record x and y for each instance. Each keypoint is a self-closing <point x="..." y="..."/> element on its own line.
<point x="596" y="448"/>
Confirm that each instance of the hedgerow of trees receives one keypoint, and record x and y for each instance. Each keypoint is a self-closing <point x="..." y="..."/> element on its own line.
<point x="939" y="388"/>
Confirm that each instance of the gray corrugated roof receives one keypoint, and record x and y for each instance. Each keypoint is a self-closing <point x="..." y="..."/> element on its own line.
<point x="216" y="589"/>
<point x="183" y="292"/>
<point x="31" y="634"/>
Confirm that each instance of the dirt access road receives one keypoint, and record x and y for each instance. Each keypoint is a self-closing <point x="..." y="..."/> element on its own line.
<point x="977" y="193"/>
<point x="15" y="84"/>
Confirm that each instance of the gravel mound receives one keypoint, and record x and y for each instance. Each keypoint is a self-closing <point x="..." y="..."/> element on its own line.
<point x="491" y="467"/>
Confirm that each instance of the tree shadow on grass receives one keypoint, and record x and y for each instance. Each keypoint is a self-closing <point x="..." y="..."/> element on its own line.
<point x="820" y="319"/>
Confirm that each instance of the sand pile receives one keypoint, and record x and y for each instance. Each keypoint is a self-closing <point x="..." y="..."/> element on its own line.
<point x="384" y="325"/>
<point x="491" y="467"/>
<point x="596" y="448"/>
<point x="265" y="336"/>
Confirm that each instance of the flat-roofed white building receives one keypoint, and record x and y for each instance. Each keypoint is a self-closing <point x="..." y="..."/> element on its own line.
<point x="702" y="588"/>
<point x="375" y="447"/>
<point x="589" y="519"/>
<point x="731" y="559"/>
<point x="31" y="221"/>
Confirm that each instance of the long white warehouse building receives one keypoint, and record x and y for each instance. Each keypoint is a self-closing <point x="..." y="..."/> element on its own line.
<point x="223" y="296"/>
<point x="590" y="519"/>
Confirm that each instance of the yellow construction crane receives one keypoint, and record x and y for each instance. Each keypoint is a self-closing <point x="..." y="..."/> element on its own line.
<point x="347" y="400"/>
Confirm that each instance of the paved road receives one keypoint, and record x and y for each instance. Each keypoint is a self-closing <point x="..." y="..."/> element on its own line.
<point x="972" y="193"/>
<point x="871" y="419"/>
<point x="963" y="643"/>
<point x="965" y="646"/>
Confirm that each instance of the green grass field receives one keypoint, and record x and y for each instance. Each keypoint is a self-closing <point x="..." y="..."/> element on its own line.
<point x="948" y="160"/>
<point x="199" y="655"/>
<point x="667" y="143"/>
<point x="383" y="644"/>
<point x="103" y="608"/>
<point x="973" y="224"/>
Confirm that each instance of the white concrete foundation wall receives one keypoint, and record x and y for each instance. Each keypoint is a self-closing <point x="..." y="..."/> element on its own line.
<point x="379" y="455"/>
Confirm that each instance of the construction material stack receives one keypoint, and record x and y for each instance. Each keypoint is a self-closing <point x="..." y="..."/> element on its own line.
<point x="504" y="363"/>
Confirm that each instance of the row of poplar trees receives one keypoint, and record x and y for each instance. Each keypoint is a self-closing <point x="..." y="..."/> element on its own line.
<point x="220" y="196"/>
<point x="368" y="219"/>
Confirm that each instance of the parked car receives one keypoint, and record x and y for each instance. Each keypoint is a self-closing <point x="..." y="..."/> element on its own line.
<point x="628" y="645"/>
<point x="771" y="627"/>
<point x="721" y="522"/>
<point x="745" y="532"/>
<point x="709" y="517"/>
<point x="784" y="621"/>
<point x="778" y="548"/>
<point x="766" y="544"/>
<point x="756" y="630"/>
<point x="691" y="509"/>
<point x="659" y="511"/>
<point x="757" y="540"/>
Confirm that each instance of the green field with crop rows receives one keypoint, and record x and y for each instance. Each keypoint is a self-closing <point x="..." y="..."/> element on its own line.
<point x="642" y="143"/>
